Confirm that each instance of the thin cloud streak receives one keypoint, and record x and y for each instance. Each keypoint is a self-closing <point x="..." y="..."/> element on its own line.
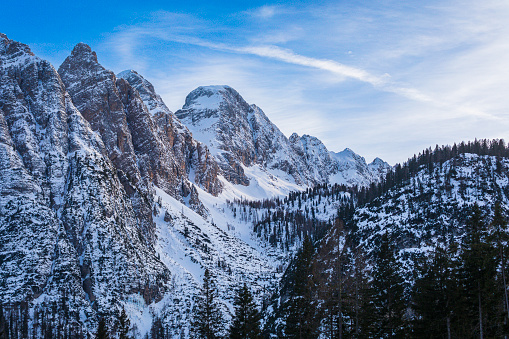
<point x="288" y="56"/>
<point x="440" y="74"/>
<point x="133" y="35"/>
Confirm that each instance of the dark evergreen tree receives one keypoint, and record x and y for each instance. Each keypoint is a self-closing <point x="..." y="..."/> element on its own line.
<point x="435" y="295"/>
<point x="246" y="321"/>
<point x="301" y="309"/>
<point x="124" y="325"/>
<point x="388" y="292"/>
<point x="499" y="224"/>
<point x="362" y="311"/>
<point x="338" y="291"/>
<point x="207" y="322"/>
<point x="157" y="329"/>
<point x="4" y="328"/>
<point x="102" y="329"/>
<point x="478" y="272"/>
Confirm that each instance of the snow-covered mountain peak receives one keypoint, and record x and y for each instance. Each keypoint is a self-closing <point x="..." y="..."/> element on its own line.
<point x="241" y="135"/>
<point x="213" y="102"/>
<point x="83" y="51"/>
<point x="294" y="137"/>
<point x="379" y="163"/>
<point x="11" y="49"/>
<point x="147" y="92"/>
<point x="347" y="155"/>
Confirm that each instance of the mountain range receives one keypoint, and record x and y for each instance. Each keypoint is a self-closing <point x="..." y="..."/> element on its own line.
<point x="110" y="201"/>
<point x="109" y="196"/>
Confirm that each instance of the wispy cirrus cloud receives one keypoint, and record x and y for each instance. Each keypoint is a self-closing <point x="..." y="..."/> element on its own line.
<point x="134" y="35"/>
<point x="264" y="12"/>
<point x="376" y="72"/>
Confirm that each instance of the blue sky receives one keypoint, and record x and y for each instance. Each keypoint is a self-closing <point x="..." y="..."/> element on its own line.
<point x="384" y="78"/>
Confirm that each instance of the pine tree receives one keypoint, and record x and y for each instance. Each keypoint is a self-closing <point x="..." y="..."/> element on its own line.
<point x="124" y="325"/>
<point x="207" y="322"/>
<point x="499" y="224"/>
<point x="362" y="310"/>
<point x="157" y="329"/>
<point x="102" y="329"/>
<point x="300" y="320"/>
<point x="337" y="292"/>
<point x="479" y="278"/>
<point x="434" y="297"/>
<point x="246" y="321"/>
<point x="388" y="292"/>
<point x="4" y="329"/>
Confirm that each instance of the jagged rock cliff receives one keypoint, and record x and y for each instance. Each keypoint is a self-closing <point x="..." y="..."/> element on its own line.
<point x="189" y="156"/>
<point x="240" y="135"/>
<point x="66" y="221"/>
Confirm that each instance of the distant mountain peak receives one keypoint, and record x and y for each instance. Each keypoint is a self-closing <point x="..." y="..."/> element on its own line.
<point x="13" y="49"/>
<point x="82" y="50"/>
<point x="210" y="97"/>
<point x="378" y="161"/>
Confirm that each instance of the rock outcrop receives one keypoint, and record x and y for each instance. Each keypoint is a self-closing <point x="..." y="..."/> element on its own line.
<point x="66" y="220"/>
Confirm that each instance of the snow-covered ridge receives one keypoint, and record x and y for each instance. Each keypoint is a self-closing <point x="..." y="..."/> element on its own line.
<point x="240" y="135"/>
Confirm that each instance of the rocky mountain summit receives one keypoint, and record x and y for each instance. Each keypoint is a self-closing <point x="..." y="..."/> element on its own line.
<point x="146" y="148"/>
<point x="241" y="135"/>
<point x="66" y="220"/>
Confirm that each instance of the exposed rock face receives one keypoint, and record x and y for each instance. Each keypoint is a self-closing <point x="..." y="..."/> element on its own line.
<point x="94" y="92"/>
<point x="217" y="116"/>
<point x="379" y="167"/>
<point x="315" y="155"/>
<point x="66" y="222"/>
<point x="187" y="155"/>
<point x="240" y="135"/>
<point x="353" y="169"/>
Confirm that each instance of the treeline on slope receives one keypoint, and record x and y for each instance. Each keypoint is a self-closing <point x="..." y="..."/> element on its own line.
<point x="428" y="159"/>
<point x="54" y="320"/>
<point x="284" y="222"/>
<point x="460" y="291"/>
<point x="48" y="320"/>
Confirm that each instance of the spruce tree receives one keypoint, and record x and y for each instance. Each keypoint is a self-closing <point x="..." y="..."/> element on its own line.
<point x="301" y="318"/>
<point x="388" y="292"/>
<point x="479" y="270"/>
<point x="4" y="329"/>
<point x="246" y="321"/>
<point x="207" y="322"/>
<point x="435" y="295"/>
<point x="124" y="325"/>
<point x="157" y="330"/>
<point x="362" y="310"/>
<point x="102" y="329"/>
<point x="499" y="224"/>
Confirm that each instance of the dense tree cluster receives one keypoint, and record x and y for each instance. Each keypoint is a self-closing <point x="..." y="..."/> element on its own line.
<point x="460" y="291"/>
<point x="285" y="222"/>
<point x="428" y="160"/>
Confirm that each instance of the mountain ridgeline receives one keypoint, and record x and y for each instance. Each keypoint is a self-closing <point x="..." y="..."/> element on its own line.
<point x="423" y="256"/>
<point x="119" y="217"/>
